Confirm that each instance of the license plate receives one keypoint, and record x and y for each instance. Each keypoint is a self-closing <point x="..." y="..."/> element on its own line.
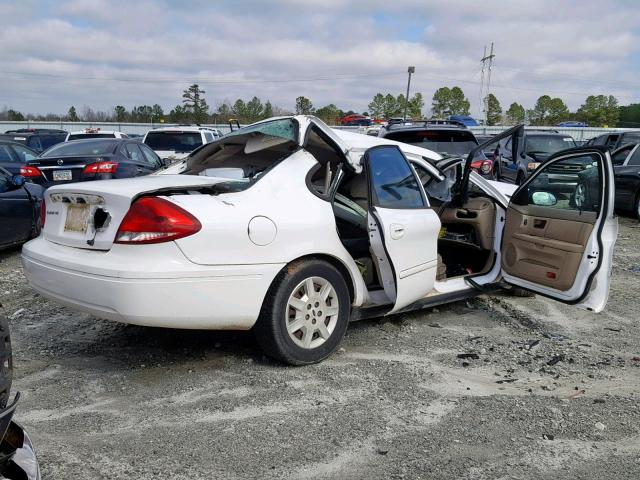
<point x="77" y="218"/>
<point x="62" y="175"/>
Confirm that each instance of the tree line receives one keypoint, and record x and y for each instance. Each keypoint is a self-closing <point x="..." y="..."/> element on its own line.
<point x="597" y="110"/>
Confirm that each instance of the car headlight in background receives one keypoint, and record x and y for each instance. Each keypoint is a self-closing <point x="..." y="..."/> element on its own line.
<point x="533" y="165"/>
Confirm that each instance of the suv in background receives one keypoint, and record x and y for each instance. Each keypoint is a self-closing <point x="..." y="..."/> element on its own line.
<point x="175" y="143"/>
<point x="449" y="138"/>
<point x="539" y="145"/>
<point x="94" y="133"/>
<point x="37" y="139"/>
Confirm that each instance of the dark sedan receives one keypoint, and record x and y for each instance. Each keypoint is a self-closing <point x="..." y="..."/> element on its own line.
<point x="93" y="159"/>
<point x="19" y="209"/>
<point x="626" y="167"/>
<point x="14" y="156"/>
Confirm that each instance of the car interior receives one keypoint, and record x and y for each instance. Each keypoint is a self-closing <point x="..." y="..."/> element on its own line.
<point x="466" y="239"/>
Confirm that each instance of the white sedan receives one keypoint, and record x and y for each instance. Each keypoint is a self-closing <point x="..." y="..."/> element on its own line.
<point x="291" y="229"/>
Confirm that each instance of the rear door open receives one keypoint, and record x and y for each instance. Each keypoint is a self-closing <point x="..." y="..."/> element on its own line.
<point x="560" y="229"/>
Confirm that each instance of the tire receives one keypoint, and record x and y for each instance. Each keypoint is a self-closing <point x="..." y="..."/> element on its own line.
<point x="6" y="361"/>
<point x="636" y="207"/>
<point x="520" y="179"/>
<point x="309" y="343"/>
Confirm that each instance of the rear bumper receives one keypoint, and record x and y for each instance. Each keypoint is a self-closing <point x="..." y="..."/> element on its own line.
<point x="152" y="285"/>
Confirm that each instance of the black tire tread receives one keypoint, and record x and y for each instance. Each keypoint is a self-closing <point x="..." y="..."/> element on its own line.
<point x="265" y="330"/>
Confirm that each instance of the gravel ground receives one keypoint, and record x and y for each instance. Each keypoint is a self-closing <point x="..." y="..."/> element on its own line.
<point x="552" y="394"/>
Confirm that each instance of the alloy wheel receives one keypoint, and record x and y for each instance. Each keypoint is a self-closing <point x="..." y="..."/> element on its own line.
<point x="312" y="312"/>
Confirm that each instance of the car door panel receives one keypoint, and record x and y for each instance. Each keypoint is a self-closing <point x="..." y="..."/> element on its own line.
<point x="559" y="229"/>
<point x="402" y="228"/>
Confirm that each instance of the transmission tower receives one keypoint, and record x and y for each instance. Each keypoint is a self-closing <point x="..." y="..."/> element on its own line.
<point x="487" y="64"/>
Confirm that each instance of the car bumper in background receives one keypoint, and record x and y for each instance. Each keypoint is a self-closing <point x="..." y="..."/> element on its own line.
<point x="152" y="285"/>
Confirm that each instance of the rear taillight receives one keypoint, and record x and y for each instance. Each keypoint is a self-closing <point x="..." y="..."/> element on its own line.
<point x="483" y="166"/>
<point x="101" y="167"/>
<point x="155" y="220"/>
<point x="30" y="172"/>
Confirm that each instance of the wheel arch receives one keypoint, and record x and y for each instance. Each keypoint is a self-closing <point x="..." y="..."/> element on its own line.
<point x="334" y="261"/>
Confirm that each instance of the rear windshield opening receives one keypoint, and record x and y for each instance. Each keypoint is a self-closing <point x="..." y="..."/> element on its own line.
<point x="450" y="142"/>
<point x="84" y="136"/>
<point x="175" y="141"/>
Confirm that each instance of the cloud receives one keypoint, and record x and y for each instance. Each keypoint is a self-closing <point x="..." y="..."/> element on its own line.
<point x="103" y="53"/>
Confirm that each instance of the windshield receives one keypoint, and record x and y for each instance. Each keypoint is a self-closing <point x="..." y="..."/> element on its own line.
<point x="89" y="147"/>
<point x="84" y="136"/>
<point x="547" y="143"/>
<point x="449" y="142"/>
<point x="174" y="140"/>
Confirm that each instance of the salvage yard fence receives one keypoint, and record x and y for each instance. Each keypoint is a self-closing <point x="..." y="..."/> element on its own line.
<point x="578" y="133"/>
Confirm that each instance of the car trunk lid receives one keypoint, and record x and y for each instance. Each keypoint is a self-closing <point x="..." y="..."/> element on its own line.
<point x="66" y="169"/>
<point x="87" y="215"/>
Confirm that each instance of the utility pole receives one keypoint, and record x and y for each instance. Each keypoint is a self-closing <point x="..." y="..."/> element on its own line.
<point x="487" y="61"/>
<point x="410" y="70"/>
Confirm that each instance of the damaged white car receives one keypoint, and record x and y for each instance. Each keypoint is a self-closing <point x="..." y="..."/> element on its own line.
<point x="292" y="229"/>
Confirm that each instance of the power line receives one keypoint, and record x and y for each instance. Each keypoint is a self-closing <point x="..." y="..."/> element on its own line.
<point x="204" y="80"/>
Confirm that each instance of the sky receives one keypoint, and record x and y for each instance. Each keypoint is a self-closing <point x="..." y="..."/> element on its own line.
<point x="100" y="53"/>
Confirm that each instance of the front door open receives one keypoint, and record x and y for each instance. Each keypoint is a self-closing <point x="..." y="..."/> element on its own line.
<point x="560" y="230"/>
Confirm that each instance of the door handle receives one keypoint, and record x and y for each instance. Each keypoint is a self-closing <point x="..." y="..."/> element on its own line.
<point x="537" y="223"/>
<point x="397" y="231"/>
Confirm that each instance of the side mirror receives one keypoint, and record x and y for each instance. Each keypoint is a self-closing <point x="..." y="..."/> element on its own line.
<point x="165" y="162"/>
<point x="517" y="143"/>
<point x="17" y="181"/>
<point x="544" y="199"/>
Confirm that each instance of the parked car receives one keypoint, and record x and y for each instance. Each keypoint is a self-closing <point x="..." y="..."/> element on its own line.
<point x="626" y="167"/>
<point x="613" y="141"/>
<point x="447" y="137"/>
<point x="291" y="228"/>
<point x="466" y="120"/>
<point x="18" y="459"/>
<point x="20" y="204"/>
<point x="14" y="156"/>
<point x="538" y="145"/>
<point x="88" y="133"/>
<point x="356" y="120"/>
<point x="93" y="159"/>
<point x="573" y="124"/>
<point x="174" y="143"/>
<point x="37" y="140"/>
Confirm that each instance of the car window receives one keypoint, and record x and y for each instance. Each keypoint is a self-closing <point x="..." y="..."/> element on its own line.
<point x="620" y="156"/>
<point x="5" y="154"/>
<point x="133" y="152"/>
<point x="81" y="147"/>
<point x="149" y="155"/>
<point x="24" y="153"/>
<point x="454" y="142"/>
<point x="208" y="137"/>
<point x="393" y="182"/>
<point x="34" y="142"/>
<point x="570" y="184"/>
<point x="177" y="141"/>
<point x="547" y="144"/>
<point x="51" y="140"/>
<point x="635" y="158"/>
<point x="629" y="139"/>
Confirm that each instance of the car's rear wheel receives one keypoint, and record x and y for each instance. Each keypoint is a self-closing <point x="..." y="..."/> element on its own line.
<point x="305" y="313"/>
<point x="636" y="209"/>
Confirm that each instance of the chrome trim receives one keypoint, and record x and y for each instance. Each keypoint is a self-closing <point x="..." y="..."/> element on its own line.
<point x="64" y="167"/>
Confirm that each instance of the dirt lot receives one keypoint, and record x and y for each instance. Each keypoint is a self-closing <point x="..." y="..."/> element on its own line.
<point x="553" y="393"/>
